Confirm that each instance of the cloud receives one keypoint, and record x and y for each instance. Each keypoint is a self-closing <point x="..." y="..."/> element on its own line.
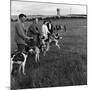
<point x="35" y="8"/>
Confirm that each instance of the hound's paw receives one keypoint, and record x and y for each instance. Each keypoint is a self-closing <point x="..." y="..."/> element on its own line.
<point x="60" y="37"/>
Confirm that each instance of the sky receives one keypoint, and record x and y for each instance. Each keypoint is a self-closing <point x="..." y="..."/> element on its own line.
<point x="37" y="8"/>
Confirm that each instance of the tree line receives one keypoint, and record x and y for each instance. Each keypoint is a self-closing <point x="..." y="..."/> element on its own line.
<point x="53" y="18"/>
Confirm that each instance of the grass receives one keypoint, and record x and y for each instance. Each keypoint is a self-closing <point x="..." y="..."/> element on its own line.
<point x="64" y="67"/>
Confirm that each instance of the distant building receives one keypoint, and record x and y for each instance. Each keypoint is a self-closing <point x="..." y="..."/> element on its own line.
<point x="58" y="12"/>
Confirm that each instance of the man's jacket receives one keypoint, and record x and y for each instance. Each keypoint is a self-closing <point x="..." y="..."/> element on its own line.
<point x="20" y="36"/>
<point x="50" y="28"/>
<point x="33" y="31"/>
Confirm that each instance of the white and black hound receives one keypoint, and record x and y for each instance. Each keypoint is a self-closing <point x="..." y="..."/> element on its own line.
<point x="20" y="58"/>
<point x="52" y="40"/>
<point x="55" y="40"/>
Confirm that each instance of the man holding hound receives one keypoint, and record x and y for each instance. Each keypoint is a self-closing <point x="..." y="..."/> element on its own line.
<point x="20" y="37"/>
<point x="45" y="32"/>
<point x="45" y="37"/>
<point x="33" y="31"/>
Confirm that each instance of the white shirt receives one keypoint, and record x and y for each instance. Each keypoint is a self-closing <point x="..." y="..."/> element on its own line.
<point x="45" y="30"/>
<point x="50" y="26"/>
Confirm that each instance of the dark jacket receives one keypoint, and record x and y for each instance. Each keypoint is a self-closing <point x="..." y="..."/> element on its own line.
<point x="33" y="31"/>
<point x="50" y="29"/>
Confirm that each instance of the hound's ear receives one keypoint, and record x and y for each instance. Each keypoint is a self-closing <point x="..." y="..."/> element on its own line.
<point x="36" y="28"/>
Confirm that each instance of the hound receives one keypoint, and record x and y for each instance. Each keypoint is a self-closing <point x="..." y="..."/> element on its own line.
<point x="19" y="59"/>
<point x="45" y="32"/>
<point x="55" y="40"/>
<point x="36" y="51"/>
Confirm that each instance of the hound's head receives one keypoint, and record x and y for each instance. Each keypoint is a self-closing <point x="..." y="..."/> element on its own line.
<point x="57" y="36"/>
<point x="31" y="51"/>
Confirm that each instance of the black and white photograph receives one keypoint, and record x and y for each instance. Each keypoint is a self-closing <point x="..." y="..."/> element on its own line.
<point x="48" y="44"/>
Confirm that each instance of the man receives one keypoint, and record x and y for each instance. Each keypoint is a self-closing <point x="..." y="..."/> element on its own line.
<point x="20" y="37"/>
<point x="33" y="31"/>
<point x="45" y="31"/>
<point x="45" y="38"/>
<point x="50" y="27"/>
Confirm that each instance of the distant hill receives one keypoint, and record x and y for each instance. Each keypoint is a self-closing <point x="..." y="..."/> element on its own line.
<point x="29" y="16"/>
<point x="14" y="17"/>
<point x="77" y="15"/>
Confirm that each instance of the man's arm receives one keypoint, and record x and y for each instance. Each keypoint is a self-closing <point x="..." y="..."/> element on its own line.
<point x="31" y="30"/>
<point x="47" y="29"/>
<point x="35" y="29"/>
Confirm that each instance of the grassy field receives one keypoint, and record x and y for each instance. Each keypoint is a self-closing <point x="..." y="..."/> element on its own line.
<point x="64" y="67"/>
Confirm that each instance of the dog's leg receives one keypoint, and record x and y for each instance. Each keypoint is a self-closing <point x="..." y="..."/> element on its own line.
<point x="20" y="68"/>
<point x="12" y="63"/>
<point x="47" y="47"/>
<point x="37" y="51"/>
<point x="23" y="65"/>
<point x="36" y="57"/>
<point x="11" y="66"/>
<point x="23" y="68"/>
<point x="43" y="41"/>
<point x="35" y="54"/>
<point x="57" y="44"/>
<point x="44" y="53"/>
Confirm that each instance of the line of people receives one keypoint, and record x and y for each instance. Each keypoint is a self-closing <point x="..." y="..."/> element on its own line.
<point x="25" y="39"/>
<point x="33" y="32"/>
<point x="33" y="40"/>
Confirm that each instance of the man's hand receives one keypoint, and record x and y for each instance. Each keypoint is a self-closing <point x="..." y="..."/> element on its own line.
<point x="30" y="38"/>
<point x="49" y="34"/>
